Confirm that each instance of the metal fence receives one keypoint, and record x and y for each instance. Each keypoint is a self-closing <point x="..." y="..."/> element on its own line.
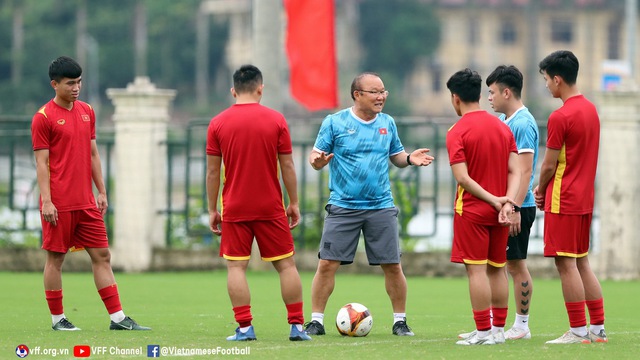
<point x="424" y="195"/>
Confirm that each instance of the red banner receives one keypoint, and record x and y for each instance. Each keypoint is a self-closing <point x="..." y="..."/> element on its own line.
<point x="311" y="52"/>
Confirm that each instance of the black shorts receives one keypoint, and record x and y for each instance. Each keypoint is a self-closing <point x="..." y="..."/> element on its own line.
<point x="518" y="245"/>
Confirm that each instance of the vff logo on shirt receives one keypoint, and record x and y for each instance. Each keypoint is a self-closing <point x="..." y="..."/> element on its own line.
<point x="85" y="117"/>
<point x="383" y="131"/>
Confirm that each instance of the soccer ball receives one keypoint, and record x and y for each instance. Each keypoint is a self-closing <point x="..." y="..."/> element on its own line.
<point x="354" y="320"/>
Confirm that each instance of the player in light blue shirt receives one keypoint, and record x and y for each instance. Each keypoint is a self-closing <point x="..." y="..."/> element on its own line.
<point x="357" y="143"/>
<point x="505" y="88"/>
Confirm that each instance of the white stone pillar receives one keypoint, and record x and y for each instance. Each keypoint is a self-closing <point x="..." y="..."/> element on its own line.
<point x="618" y="185"/>
<point x="141" y="117"/>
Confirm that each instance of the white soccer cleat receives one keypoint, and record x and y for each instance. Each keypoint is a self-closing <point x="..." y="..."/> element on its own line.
<point x="499" y="336"/>
<point x="465" y="336"/>
<point x="475" y="340"/>
<point x="516" y="334"/>
<point x="570" y="338"/>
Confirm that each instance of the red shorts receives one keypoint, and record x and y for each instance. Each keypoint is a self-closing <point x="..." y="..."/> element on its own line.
<point x="566" y="235"/>
<point x="75" y="230"/>
<point x="273" y="237"/>
<point x="475" y="243"/>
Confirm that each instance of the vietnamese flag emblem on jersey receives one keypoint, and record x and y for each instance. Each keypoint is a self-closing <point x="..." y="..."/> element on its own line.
<point x="383" y="131"/>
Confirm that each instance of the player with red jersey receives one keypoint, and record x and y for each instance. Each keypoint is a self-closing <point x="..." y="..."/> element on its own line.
<point x="253" y="143"/>
<point x="566" y="194"/>
<point x="67" y="161"/>
<point x="484" y="161"/>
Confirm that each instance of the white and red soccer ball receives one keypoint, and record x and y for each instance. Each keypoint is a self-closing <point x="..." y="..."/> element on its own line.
<point x="354" y="319"/>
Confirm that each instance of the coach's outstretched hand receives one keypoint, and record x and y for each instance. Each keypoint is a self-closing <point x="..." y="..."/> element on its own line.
<point x="421" y="157"/>
<point x="318" y="160"/>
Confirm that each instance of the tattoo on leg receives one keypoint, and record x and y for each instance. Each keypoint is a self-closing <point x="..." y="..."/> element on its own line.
<point x="525" y="302"/>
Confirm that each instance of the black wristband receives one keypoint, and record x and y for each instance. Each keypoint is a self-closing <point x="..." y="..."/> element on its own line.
<point x="409" y="160"/>
<point x="516" y="208"/>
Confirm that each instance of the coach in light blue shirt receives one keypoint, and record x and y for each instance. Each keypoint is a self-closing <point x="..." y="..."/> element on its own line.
<point x="357" y="143"/>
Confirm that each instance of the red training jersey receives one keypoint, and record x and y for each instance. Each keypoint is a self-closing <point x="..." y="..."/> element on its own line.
<point x="249" y="138"/>
<point x="67" y="134"/>
<point x="484" y="143"/>
<point x="574" y="129"/>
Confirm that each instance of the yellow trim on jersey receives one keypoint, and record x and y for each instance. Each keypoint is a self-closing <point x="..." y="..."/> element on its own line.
<point x="458" y="207"/>
<point x="276" y="258"/>
<point x="228" y="257"/>
<point x="557" y="183"/>
<point x="475" y="262"/>
<point x="495" y="264"/>
<point x="571" y="254"/>
<point x="41" y="111"/>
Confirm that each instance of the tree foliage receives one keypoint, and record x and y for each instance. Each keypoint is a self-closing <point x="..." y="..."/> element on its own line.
<point x="50" y="31"/>
<point x="395" y="35"/>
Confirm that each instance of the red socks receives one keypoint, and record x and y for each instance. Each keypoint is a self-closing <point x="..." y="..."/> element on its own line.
<point x="54" y="300"/>
<point x="577" y="316"/>
<point x="110" y="298"/>
<point x="294" y="313"/>
<point x="482" y="319"/>
<point x="596" y="311"/>
<point x="499" y="316"/>
<point x="243" y="315"/>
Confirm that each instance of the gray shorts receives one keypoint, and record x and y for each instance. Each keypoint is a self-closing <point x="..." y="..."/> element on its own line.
<point x="341" y="234"/>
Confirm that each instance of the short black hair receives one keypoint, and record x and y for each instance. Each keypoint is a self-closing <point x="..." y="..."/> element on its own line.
<point x="247" y="79"/>
<point x="467" y="84"/>
<point x="507" y="76"/>
<point x="64" y="67"/>
<point x="355" y="84"/>
<point x="561" y="63"/>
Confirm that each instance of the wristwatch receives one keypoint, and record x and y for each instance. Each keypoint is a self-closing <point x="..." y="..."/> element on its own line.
<point x="409" y="160"/>
<point x="516" y="208"/>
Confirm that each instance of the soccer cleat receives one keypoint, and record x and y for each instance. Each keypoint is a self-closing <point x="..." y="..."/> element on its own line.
<point x="516" y="333"/>
<point x="250" y="335"/>
<point x="601" y="337"/>
<point x="499" y="336"/>
<point x="297" y="335"/>
<point x="475" y="340"/>
<point x="465" y="336"/>
<point x="314" y="328"/>
<point x="570" y="338"/>
<point x="401" y="328"/>
<point x="127" y="324"/>
<point x="64" y="325"/>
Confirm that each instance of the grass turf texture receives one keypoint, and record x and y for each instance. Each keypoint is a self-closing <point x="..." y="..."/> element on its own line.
<point x="192" y="310"/>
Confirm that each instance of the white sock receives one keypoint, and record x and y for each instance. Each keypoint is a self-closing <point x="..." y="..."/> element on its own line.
<point x="318" y="316"/>
<point x="483" y="334"/>
<point x="399" y="317"/>
<point x="56" y="318"/>
<point x="580" y="331"/>
<point x="521" y="322"/>
<point x="117" y="316"/>
<point x="596" y="328"/>
<point x="245" y="329"/>
<point x="297" y="326"/>
<point x="495" y="329"/>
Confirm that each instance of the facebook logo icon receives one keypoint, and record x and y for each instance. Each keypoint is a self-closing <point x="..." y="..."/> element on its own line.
<point x="153" y="351"/>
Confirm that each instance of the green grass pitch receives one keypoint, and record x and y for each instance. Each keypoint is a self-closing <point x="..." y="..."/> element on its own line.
<point x="191" y="311"/>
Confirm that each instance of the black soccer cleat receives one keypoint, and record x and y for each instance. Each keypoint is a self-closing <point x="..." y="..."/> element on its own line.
<point x="64" y="325"/>
<point x="314" y="328"/>
<point x="401" y="328"/>
<point x="127" y="324"/>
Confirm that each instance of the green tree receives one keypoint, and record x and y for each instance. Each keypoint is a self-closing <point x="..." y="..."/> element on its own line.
<point x="395" y="35"/>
